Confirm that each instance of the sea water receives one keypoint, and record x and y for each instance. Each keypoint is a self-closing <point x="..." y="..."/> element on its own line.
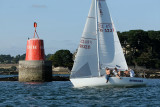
<point x="62" y="93"/>
<point x="4" y="76"/>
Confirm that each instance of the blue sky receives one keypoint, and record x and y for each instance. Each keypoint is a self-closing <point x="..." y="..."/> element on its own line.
<point x="61" y="22"/>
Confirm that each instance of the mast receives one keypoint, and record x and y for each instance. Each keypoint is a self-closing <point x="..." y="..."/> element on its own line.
<point x="97" y="35"/>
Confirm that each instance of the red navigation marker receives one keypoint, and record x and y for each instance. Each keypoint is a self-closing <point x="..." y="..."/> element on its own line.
<point x="35" y="24"/>
<point x="35" y="48"/>
<point x="35" y="32"/>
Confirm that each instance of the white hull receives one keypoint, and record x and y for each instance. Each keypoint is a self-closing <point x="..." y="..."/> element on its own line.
<point x="113" y="81"/>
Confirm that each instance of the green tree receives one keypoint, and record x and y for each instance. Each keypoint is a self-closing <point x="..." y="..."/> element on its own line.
<point x="142" y="47"/>
<point x="62" y="58"/>
<point x="6" y="59"/>
<point x="48" y="56"/>
<point x="18" y="57"/>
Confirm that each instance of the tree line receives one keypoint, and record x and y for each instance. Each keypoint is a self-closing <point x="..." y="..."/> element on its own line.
<point x="8" y="59"/>
<point x="140" y="48"/>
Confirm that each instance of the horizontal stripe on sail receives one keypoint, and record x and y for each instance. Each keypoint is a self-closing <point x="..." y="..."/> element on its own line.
<point x="88" y="38"/>
<point x="91" y="17"/>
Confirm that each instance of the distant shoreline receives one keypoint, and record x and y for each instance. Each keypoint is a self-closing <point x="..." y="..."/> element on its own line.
<point x="139" y="71"/>
<point x="54" y="78"/>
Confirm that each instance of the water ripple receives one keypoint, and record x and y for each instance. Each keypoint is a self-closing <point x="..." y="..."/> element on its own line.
<point x="61" y="93"/>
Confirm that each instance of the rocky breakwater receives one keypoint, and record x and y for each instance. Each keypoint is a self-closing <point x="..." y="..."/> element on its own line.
<point x="146" y="73"/>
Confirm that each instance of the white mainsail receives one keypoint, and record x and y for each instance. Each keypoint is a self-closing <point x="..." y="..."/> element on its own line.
<point x="85" y="64"/>
<point x="109" y="48"/>
<point x="119" y="60"/>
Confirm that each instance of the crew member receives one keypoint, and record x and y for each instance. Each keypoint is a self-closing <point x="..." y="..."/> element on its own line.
<point x="108" y="72"/>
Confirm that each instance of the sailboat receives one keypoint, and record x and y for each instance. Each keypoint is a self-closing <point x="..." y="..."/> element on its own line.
<point x="100" y="48"/>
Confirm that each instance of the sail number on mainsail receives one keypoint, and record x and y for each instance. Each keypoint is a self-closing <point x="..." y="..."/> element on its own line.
<point x="105" y="27"/>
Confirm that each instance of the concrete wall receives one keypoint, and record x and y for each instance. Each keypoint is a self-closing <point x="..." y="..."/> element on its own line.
<point x="35" y="71"/>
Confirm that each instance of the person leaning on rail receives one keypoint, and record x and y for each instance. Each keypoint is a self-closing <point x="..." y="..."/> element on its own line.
<point x="115" y="72"/>
<point x="108" y="72"/>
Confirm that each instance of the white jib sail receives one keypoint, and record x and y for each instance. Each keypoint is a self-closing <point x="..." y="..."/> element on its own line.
<point x="110" y="50"/>
<point x="86" y="64"/>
